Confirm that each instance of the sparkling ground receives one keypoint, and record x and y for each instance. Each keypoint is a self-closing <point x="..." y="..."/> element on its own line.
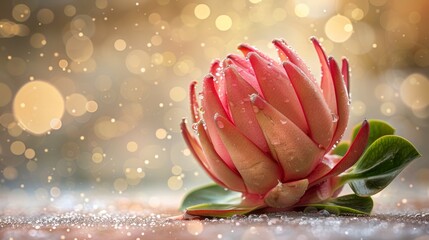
<point x="142" y="224"/>
<point x="89" y="215"/>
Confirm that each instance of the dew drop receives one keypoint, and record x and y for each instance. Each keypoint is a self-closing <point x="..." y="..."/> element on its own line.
<point x="195" y="127"/>
<point x="255" y="109"/>
<point x="334" y="117"/>
<point x="283" y="121"/>
<point x="220" y="124"/>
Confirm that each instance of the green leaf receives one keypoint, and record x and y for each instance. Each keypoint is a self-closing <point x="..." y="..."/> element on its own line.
<point x="341" y="149"/>
<point x="210" y="194"/>
<point x="348" y="204"/>
<point x="377" y="129"/>
<point x="219" y="210"/>
<point x="380" y="164"/>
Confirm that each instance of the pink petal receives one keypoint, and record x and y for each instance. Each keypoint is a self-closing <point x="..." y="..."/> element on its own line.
<point x="246" y="49"/>
<point x="245" y="70"/>
<point x="342" y="100"/>
<point x="278" y="90"/>
<point x="238" y="92"/>
<point x="327" y="82"/>
<point x="317" y="113"/>
<point x="217" y="166"/>
<point x="195" y="108"/>
<point x="291" y="147"/>
<point x="241" y="62"/>
<point x="211" y="105"/>
<point x="324" y="167"/>
<point x="286" y="194"/>
<point x="259" y="172"/>
<point x="346" y="74"/>
<point x="216" y="70"/>
<point x="197" y="151"/>
<point x="351" y="157"/>
<point x="286" y="53"/>
<point x="320" y="192"/>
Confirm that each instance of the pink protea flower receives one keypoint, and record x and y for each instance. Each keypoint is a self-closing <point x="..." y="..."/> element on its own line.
<point x="266" y="128"/>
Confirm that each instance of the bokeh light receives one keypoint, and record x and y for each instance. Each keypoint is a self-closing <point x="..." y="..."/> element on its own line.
<point x="414" y="91"/>
<point x="223" y="22"/>
<point x="338" y="28"/>
<point x="202" y="11"/>
<point x="36" y="105"/>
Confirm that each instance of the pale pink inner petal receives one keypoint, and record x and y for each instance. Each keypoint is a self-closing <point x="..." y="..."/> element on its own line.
<point x="212" y="105"/>
<point x="286" y="53"/>
<point x="238" y="92"/>
<point x="241" y="62"/>
<point x="323" y="168"/>
<point x="317" y="113"/>
<point x="293" y="149"/>
<point x="321" y="192"/>
<point x="278" y="90"/>
<point x="326" y="84"/>
<point x="286" y="194"/>
<point x="197" y="151"/>
<point x="342" y="99"/>
<point x="245" y="70"/>
<point x="216" y="70"/>
<point x="259" y="172"/>
<point x="217" y="166"/>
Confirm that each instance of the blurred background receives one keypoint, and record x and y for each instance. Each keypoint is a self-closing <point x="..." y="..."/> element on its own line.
<point x="92" y="92"/>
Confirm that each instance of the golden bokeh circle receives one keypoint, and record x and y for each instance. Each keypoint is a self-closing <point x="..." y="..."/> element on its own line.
<point x="36" y="104"/>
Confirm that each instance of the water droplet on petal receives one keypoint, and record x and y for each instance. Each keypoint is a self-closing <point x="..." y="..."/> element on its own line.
<point x="283" y="121"/>
<point x="195" y="127"/>
<point x="220" y="124"/>
<point x="255" y="109"/>
<point x="334" y="117"/>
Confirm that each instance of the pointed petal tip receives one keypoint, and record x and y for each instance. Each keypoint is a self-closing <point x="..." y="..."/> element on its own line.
<point x="314" y="40"/>
<point x="245" y="48"/>
<point x="365" y="125"/>
<point x="232" y="56"/>
<point x="208" y="79"/>
<point x="252" y="55"/>
<point x="289" y="66"/>
<point x="257" y="101"/>
<point x="215" y="62"/>
<point x="279" y="41"/>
